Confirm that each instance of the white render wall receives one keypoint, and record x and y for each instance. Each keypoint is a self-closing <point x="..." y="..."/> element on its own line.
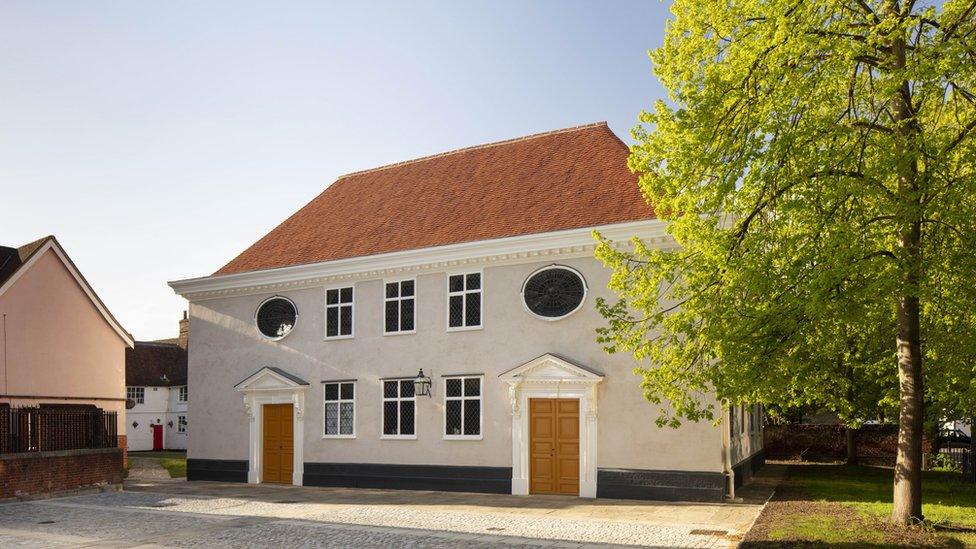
<point x="161" y="406"/>
<point x="225" y="348"/>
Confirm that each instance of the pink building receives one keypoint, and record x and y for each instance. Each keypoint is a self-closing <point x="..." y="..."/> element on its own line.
<point x="59" y="344"/>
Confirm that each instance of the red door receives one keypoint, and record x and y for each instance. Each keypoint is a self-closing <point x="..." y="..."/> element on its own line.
<point x="157" y="437"/>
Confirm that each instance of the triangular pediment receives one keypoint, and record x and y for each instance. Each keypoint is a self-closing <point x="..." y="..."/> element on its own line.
<point x="550" y="367"/>
<point x="271" y="379"/>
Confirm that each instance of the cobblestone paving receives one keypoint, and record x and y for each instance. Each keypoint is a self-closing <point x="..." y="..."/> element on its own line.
<point x="147" y="519"/>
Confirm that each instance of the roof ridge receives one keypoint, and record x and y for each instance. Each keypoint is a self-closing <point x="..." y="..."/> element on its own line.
<point x="477" y="147"/>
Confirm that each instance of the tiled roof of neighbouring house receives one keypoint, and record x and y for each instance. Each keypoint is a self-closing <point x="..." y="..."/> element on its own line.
<point x="565" y="179"/>
<point x="153" y="364"/>
<point x="12" y="259"/>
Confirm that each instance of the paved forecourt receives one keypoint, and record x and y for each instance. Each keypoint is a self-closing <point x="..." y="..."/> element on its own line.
<point x="180" y="514"/>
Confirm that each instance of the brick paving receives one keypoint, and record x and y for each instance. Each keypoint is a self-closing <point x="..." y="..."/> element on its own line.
<point x="304" y="517"/>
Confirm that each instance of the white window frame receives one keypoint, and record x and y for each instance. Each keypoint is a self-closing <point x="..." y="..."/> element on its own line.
<point x="481" y="408"/>
<point x="463" y="293"/>
<point x="384" y="399"/>
<point x="352" y="314"/>
<point x="181" y="424"/>
<point x="138" y="390"/>
<point x="340" y="401"/>
<point x="183" y="394"/>
<point x="416" y="290"/>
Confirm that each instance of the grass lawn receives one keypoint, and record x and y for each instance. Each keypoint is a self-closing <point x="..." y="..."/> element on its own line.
<point x="847" y="506"/>
<point x="175" y="466"/>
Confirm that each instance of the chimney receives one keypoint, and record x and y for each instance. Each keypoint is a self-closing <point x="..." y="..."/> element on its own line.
<point x="184" y="331"/>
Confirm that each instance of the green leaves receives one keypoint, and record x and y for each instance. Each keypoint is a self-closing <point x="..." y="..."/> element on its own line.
<point x="776" y="167"/>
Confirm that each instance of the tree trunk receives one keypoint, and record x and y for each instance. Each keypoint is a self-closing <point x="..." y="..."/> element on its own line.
<point x="908" y="460"/>
<point x="851" y="446"/>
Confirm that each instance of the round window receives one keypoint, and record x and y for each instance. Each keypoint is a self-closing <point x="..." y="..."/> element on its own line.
<point x="554" y="292"/>
<point x="276" y="317"/>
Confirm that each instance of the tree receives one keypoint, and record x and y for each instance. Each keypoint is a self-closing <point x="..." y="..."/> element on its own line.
<point x="815" y="167"/>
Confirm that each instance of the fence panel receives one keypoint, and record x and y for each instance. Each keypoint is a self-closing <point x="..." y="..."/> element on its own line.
<point x="33" y="429"/>
<point x="962" y="460"/>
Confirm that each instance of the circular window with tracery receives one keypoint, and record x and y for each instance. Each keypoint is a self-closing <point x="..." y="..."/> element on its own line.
<point x="554" y="292"/>
<point x="276" y="317"/>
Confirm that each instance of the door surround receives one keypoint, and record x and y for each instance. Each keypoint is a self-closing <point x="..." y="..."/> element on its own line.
<point x="551" y="376"/>
<point x="273" y="386"/>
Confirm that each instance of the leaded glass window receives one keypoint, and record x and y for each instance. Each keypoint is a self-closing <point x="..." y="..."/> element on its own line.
<point x="338" y="312"/>
<point x="399" y="409"/>
<point x="464" y="301"/>
<point x="136" y="394"/>
<point x="554" y="292"/>
<point x="276" y="317"/>
<point x="181" y="424"/>
<point x="399" y="307"/>
<point x="462" y="407"/>
<point x="340" y="409"/>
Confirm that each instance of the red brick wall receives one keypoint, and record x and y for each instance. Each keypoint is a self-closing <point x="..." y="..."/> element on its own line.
<point x="43" y="472"/>
<point x="829" y="442"/>
<point x="124" y="444"/>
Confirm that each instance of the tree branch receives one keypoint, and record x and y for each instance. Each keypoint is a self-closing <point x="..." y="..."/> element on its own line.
<point x="948" y="226"/>
<point x="872" y="126"/>
<point x="867" y="9"/>
<point x="833" y="34"/>
<point x="837" y="173"/>
<point x="961" y="137"/>
<point x="951" y="29"/>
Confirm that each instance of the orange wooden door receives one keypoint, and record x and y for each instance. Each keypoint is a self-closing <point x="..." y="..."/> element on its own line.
<point x="553" y="446"/>
<point x="279" y="444"/>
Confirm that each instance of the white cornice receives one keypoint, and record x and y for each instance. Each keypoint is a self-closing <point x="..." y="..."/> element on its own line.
<point x="516" y="249"/>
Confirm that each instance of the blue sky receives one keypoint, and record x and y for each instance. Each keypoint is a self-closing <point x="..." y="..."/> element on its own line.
<point x="157" y="140"/>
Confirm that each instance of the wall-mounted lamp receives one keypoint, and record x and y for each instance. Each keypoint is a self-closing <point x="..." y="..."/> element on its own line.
<point x="135" y="424"/>
<point x="170" y="424"/>
<point x="421" y="385"/>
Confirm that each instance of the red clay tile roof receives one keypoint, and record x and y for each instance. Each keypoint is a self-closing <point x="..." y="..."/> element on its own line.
<point x="565" y="179"/>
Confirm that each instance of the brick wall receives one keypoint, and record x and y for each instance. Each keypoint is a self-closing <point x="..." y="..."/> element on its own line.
<point x="44" y="472"/>
<point x="124" y="444"/>
<point x="874" y="443"/>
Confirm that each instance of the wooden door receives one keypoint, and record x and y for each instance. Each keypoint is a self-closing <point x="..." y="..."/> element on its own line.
<point x="279" y="444"/>
<point x="553" y="446"/>
<point x="157" y="432"/>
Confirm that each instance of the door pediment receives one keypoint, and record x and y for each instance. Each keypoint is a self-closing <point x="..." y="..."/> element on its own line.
<point x="271" y="379"/>
<point x="552" y="368"/>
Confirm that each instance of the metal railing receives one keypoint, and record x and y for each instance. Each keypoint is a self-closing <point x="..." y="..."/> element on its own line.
<point x="44" y="429"/>
<point x="962" y="460"/>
